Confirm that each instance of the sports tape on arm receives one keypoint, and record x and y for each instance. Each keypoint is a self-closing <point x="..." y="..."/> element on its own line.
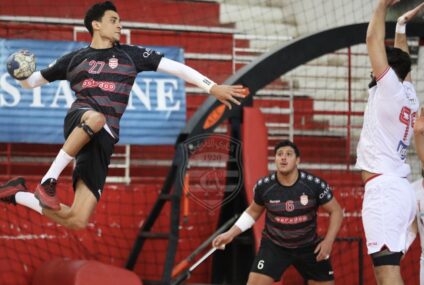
<point x="401" y="25"/>
<point x="186" y="73"/>
<point x="245" y="222"/>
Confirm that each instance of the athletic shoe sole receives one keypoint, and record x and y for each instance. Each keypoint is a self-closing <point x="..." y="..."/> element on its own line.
<point x="12" y="186"/>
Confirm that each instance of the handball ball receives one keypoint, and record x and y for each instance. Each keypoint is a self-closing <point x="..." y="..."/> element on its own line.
<point x="21" y="64"/>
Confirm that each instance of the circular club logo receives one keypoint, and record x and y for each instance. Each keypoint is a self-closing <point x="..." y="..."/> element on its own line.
<point x="214" y="169"/>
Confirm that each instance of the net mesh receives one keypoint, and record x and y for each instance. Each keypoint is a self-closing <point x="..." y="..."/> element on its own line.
<point x="327" y="94"/>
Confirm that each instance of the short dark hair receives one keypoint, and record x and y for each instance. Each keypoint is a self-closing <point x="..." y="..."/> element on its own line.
<point x="96" y="12"/>
<point x="399" y="61"/>
<point x="287" y="143"/>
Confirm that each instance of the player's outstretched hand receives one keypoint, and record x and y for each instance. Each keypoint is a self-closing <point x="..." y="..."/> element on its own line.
<point x="406" y="17"/>
<point x="222" y="240"/>
<point x="228" y="94"/>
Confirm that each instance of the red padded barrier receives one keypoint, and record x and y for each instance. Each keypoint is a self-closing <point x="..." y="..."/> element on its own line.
<point x="255" y="157"/>
<point x="83" y="272"/>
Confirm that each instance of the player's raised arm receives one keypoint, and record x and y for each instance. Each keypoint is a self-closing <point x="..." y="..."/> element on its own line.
<point x="226" y="94"/>
<point x="375" y="38"/>
<point x="401" y="40"/>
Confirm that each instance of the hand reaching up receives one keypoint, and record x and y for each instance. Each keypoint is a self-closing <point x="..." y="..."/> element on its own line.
<point x="228" y="94"/>
<point x="406" y="17"/>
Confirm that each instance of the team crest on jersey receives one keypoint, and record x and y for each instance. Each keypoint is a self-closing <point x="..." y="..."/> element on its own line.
<point x="304" y="199"/>
<point x="113" y="62"/>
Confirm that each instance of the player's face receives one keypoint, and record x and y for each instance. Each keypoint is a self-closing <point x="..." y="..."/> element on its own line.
<point x="286" y="160"/>
<point x="110" y="26"/>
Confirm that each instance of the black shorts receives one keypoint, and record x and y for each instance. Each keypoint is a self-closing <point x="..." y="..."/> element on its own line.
<point x="92" y="162"/>
<point x="272" y="260"/>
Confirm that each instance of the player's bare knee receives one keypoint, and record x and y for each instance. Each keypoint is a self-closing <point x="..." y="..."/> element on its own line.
<point x="96" y="121"/>
<point x="92" y="123"/>
<point x="255" y="278"/>
<point x="255" y="282"/>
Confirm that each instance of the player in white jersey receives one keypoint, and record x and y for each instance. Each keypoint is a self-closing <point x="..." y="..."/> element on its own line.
<point x="389" y="202"/>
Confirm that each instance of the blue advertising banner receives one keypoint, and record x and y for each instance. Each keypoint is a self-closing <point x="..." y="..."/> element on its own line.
<point x="155" y="114"/>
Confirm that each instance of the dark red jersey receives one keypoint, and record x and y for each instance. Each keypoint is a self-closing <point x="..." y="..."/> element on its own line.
<point x="102" y="79"/>
<point x="291" y="211"/>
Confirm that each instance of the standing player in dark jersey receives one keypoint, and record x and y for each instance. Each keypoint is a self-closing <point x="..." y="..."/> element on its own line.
<point x="101" y="76"/>
<point x="290" y="197"/>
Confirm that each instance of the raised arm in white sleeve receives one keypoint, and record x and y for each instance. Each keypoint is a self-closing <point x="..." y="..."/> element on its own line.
<point x="35" y="80"/>
<point x="186" y="73"/>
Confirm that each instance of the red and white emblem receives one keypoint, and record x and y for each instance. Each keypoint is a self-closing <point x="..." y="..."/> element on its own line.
<point x="113" y="62"/>
<point x="304" y="199"/>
